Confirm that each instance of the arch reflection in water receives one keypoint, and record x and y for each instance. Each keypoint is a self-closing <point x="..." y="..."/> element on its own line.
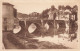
<point x="46" y="26"/>
<point x="32" y="28"/>
<point x="17" y="29"/>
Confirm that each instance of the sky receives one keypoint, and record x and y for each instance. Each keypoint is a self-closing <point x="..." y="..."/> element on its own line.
<point x="29" y="6"/>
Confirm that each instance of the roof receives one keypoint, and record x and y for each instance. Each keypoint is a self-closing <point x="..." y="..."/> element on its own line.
<point x="5" y="3"/>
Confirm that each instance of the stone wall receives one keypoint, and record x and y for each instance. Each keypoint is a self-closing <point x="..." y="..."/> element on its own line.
<point x="8" y="16"/>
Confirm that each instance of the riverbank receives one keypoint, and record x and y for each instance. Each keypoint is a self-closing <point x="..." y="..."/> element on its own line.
<point x="11" y="41"/>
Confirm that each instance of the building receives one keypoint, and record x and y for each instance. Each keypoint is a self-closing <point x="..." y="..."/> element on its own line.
<point x="64" y="15"/>
<point x="8" y="16"/>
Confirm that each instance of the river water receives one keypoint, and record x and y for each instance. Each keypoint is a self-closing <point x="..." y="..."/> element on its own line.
<point x="61" y="36"/>
<point x="65" y="36"/>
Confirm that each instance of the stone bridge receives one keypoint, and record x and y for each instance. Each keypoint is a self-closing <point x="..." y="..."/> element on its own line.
<point x="40" y="24"/>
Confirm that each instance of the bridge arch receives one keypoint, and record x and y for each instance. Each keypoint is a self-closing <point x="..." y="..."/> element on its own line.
<point x="35" y="26"/>
<point x="51" y="26"/>
<point x="61" y="24"/>
<point x="21" y="33"/>
<point x="24" y="28"/>
<point x="50" y="30"/>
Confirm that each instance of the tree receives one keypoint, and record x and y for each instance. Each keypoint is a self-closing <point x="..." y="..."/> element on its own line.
<point x="45" y="13"/>
<point x="68" y="7"/>
<point x="74" y="11"/>
<point x="53" y="8"/>
<point x="75" y="8"/>
<point x="61" y="7"/>
<point x="34" y="14"/>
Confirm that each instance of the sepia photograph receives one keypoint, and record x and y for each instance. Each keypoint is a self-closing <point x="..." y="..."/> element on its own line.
<point x="39" y="24"/>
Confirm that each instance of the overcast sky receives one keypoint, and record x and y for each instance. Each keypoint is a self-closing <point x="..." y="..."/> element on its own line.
<point x="29" y="6"/>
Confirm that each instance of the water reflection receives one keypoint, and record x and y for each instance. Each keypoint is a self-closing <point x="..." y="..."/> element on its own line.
<point x="65" y="33"/>
<point x="69" y="33"/>
<point x="32" y="28"/>
<point x="61" y="36"/>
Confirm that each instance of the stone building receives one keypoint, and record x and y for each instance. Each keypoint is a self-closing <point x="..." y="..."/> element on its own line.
<point x="8" y="16"/>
